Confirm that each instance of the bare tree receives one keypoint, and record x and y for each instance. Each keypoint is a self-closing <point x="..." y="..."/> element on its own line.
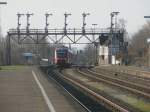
<point x="138" y="47"/>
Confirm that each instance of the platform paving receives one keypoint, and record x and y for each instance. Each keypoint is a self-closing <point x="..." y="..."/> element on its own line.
<point x="19" y="92"/>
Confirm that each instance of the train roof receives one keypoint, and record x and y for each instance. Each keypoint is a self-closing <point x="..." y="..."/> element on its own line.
<point x="61" y="48"/>
<point x="64" y="48"/>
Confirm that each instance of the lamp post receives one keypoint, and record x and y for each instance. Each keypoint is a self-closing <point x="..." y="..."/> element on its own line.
<point x="94" y="25"/>
<point x="2" y="3"/>
<point x="94" y="28"/>
<point x="9" y="57"/>
<point x="146" y="16"/>
<point x="113" y="26"/>
<point x="148" y="41"/>
<point x="94" y="48"/>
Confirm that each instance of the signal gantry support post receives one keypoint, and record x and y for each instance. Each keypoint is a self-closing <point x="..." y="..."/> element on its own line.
<point x="84" y="33"/>
<point x="65" y="29"/>
<point x="47" y="24"/>
<point x="18" y="22"/>
<point x="18" y="25"/>
<point x="28" y="23"/>
<point x="84" y="23"/>
<point x="65" y="23"/>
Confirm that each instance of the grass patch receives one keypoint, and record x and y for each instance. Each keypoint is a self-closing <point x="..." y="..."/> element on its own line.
<point x="8" y="68"/>
<point x="138" y="103"/>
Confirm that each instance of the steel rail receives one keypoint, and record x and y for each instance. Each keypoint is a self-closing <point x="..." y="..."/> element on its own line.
<point x="116" y="84"/>
<point x="106" y="102"/>
<point x="122" y="82"/>
<point x="124" y="74"/>
<point x="127" y="71"/>
<point x="86" y="108"/>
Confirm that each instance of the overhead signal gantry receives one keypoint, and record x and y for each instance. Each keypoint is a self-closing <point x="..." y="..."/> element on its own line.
<point x="74" y="35"/>
<point x="56" y="36"/>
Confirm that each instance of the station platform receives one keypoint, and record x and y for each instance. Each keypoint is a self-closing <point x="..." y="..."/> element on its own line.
<point x="26" y="89"/>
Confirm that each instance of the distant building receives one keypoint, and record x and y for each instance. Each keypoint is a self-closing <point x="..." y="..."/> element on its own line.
<point x="109" y="47"/>
<point x="28" y="58"/>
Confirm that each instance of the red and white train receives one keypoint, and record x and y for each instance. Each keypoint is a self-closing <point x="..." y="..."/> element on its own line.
<point x="63" y="56"/>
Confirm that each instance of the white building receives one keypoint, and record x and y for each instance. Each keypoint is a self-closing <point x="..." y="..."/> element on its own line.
<point x="104" y="58"/>
<point x="103" y="55"/>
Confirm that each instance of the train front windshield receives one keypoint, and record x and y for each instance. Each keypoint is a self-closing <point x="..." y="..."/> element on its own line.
<point x="61" y="53"/>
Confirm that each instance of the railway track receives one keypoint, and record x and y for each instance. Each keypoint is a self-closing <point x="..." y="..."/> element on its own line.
<point x="137" y="71"/>
<point x="124" y="76"/>
<point x="129" y="92"/>
<point x="107" y="101"/>
<point x="52" y="76"/>
<point x="100" y="99"/>
<point x="124" y="82"/>
<point x="134" y="88"/>
<point x="67" y="91"/>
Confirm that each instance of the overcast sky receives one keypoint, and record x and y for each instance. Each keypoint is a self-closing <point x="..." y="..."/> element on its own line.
<point x="131" y="10"/>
